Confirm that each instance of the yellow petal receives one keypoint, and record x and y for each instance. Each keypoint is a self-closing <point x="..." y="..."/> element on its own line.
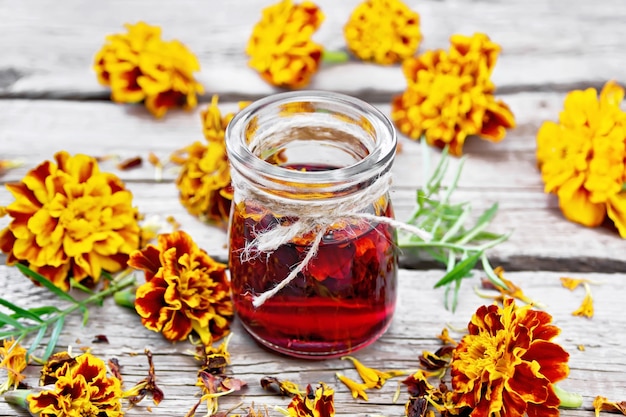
<point x="575" y="204"/>
<point x="616" y="209"/>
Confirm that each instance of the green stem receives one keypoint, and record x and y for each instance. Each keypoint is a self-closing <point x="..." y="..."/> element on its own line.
<point x="408" y="243"/>
<point x="335" y="57"/>
<point x="125" y="298"/>
<point x="568" y="399"/>
<point x="117" y="285"/>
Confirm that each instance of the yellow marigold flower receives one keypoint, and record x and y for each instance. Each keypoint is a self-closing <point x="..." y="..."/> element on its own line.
<point x="140" y="66"/>
<point x="450" y="95"/>
<point x="70" y="220"/>
<point x="507" y="364"/>
<point x="281" y="48"/>
<point x="383" y="31"/>
<point x="582" y="158"/>
<point x="185" y="290"/>
<point x="318" y="403"/>
<point x="81" y="388"/>
<point x="204" y="180"/>
<point x="13" y="360"/>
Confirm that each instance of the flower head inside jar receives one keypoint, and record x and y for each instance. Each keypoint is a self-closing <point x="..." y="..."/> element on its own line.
<point x="313" y="267"/>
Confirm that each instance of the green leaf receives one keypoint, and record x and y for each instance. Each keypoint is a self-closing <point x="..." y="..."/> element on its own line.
<point x="37" y="340"/>
<point x="20" y="312"/>
<point x="482" y="222"/>
<point x="46" y="283"/>
<point x="493" y="277"/>
<point x="460" y="270"/>
<point x="54" y="337"/>
<point x="6" y="319"/>
<point x="41" y="311"/>
<point x="78" y="285"/>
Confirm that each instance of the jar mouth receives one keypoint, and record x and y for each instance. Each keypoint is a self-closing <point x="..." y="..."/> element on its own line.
<point x="365" y="134"/>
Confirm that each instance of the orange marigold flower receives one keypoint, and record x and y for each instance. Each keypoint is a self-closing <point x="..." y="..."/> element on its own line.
<point x="318" y="403"/>
<point x="70" y="220"/>
<point x="204" y="180"/>
<point x="13" y="360"/>
<point x="450" y="95"/>
<point x="507" y="364"/>
<point x="81" y="388"/>
<point x="383" y="31"/>
<point x="582" y="158"/>
<point x="281" y="48"/>
<point x="185" y="290"/>
<point x="140" y="66"/>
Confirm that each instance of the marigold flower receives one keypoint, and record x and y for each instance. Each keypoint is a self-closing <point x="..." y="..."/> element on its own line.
<point x="70" y="220"/>
<point x="81" y="388"/>
<point x="281" y="48"/>
<point x="185" y="290"/>
<point x="582" y="158"/>
<point x="140" y="66"/>
<point x="13" y="360"/>
<point x="204" y="181"/>
<point x="318" y="403"/>
<point x="383" y="31"/>
<point x="507" y="364"/>
<point x="450" y="95"/>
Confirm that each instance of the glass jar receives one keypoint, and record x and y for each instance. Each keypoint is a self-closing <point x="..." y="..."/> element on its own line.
<point x="313" y="264"/>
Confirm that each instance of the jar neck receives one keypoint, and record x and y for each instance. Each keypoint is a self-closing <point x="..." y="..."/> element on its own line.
<point x="310" y="145"/>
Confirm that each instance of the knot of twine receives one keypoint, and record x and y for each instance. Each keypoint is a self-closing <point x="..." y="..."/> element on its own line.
<point x="313" y="216"/>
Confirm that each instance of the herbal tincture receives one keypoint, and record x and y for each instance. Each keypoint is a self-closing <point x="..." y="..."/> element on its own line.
<point x="312" y="262"/>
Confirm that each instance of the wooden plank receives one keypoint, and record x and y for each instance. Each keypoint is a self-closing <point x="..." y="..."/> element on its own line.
<point x="48" y="50"/>
<point x="598" y="370"/>
<point x="504" y="173"/>
<point x="33" y="130"/>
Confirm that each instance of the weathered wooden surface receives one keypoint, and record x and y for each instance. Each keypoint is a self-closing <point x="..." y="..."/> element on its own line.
<point x="47" y="47"/>
<point x="549" y="47"/>
<point x="504" y="172"/>
<point x="598" y="370"/>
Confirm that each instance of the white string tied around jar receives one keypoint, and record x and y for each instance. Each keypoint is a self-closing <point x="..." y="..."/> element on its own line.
<point x="313" y="216"/>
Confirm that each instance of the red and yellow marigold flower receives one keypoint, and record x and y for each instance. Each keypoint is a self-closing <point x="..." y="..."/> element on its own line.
<point x="204" y="180"/>
<point x="281" y="48"/>
<point x="449" y="95"/>
<point x="81" y="388"/>
<point x="582" y="158"/>
<point x="507" y="365"/>
<point x="318" y="403"/>
<point x="70" y="220"/>
<point x="140" y="66"/>
<point x="185" y="290"/>
<point x="13" y="361"/>
<point x="383" y="31"/>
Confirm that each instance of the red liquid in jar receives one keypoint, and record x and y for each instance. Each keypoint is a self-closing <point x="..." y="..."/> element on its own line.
<point x="344" y="299"/>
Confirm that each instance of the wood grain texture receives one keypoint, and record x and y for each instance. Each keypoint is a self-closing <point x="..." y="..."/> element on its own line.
<point x="420" y="316"/>
<point x="48" y="48"/>
<point x="50" y="101"/>
<point x="503" y="173"/>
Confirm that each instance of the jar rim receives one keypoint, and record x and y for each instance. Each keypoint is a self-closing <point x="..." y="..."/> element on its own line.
<point x="377" y="160"/>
